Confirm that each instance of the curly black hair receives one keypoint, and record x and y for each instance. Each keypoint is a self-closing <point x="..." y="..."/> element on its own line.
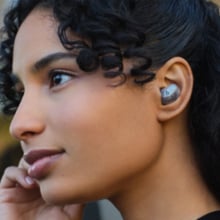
<point x="152" y="32"/>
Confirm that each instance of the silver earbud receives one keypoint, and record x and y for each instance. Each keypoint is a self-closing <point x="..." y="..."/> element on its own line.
<point x="169" y="94"/>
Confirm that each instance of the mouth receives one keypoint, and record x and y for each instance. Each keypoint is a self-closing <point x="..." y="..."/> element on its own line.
<point x="41" y="161"/>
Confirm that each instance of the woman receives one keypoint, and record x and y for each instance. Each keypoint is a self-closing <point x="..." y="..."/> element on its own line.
<point x="113" y="99"/>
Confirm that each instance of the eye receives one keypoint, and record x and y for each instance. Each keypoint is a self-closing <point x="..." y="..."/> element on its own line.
<point x="60" y="77"/>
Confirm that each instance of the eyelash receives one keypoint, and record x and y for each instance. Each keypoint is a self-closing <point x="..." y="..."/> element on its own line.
<point x="61" y="74"/>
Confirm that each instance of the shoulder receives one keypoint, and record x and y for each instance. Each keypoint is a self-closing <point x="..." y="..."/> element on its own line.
<point x="211" y="216"/>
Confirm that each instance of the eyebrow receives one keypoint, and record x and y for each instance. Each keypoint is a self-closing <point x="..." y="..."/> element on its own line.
<point x="47" y="60"/>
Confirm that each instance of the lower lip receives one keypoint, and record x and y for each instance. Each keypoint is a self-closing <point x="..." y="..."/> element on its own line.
<point x="41" y="168"/>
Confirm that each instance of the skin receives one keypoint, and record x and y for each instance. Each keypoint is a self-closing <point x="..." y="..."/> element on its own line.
<point x="119" y="142"/>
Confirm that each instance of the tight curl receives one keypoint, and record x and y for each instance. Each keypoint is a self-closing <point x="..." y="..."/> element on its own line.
<point x="149" y="32"/>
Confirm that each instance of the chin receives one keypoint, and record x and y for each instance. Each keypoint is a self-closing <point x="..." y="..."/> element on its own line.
<point x="57" y="194"/>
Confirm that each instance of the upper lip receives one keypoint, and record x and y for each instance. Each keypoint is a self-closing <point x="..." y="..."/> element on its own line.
<point x="34" y="155"/>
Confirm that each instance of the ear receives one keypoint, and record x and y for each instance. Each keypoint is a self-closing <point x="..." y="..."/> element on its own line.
<point x="175" y="71"/>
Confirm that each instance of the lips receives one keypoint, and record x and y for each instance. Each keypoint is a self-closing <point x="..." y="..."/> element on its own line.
<point x="41" y="161"/>
<point x="33" y="156"/>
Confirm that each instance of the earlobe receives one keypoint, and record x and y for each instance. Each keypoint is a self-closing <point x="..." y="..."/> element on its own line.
<point x="175" y="82"/>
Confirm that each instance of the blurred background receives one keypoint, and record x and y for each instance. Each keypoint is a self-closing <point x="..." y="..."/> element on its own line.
<point x="10" y="153"/>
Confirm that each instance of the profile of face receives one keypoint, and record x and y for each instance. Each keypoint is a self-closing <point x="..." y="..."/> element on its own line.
<point x="105" y="138"/>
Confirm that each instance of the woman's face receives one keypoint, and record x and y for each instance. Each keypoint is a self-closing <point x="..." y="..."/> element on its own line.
<point x="102" y="137"/>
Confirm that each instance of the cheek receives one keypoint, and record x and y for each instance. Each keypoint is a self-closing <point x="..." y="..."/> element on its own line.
<point x="106" y="119"/>
<point x="107" y="138"/>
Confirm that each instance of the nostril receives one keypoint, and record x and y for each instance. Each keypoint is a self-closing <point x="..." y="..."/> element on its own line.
<point x="23" y="134"/>
<point x="26" y="135"/>
<point x="25" y="129"/>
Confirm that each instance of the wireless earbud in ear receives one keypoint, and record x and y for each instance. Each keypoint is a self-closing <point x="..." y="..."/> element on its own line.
<point x="169" y="94"/>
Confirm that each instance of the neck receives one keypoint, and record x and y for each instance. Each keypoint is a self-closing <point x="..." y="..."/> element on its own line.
<point x="170" y="189"/>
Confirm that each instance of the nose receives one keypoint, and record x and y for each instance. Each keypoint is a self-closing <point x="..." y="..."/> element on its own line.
<point x="27" y="121"/>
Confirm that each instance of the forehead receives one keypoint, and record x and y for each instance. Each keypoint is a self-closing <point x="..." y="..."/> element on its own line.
<point x="36" y="38"/>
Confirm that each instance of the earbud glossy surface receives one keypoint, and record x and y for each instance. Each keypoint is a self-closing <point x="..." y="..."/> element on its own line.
<point x="169" y="94"/>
